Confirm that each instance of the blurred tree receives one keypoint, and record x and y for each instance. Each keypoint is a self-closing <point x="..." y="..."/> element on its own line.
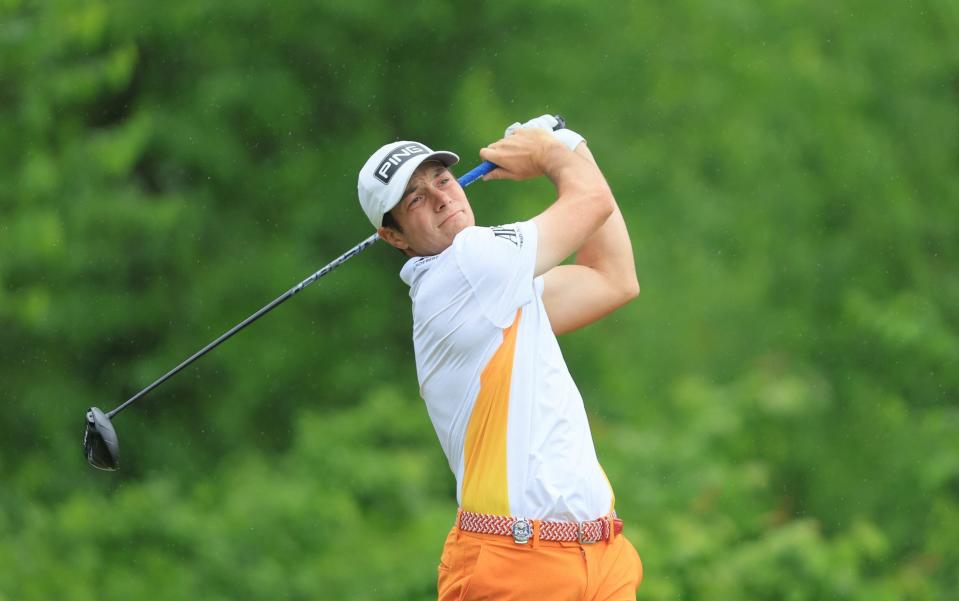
<point x="777" y="412"/>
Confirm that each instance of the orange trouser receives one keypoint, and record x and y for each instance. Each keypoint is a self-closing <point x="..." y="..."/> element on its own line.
<point x="488" y="566"/>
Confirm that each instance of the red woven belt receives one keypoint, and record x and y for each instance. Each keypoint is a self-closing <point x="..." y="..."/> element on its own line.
<point x="522" y="529"/>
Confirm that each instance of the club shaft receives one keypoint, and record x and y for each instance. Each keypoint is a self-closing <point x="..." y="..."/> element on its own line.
<point x="465" y="180"/>
<point x="263" y="311"/>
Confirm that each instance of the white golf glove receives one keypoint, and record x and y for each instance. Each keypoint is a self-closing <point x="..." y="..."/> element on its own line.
<point x="568" y="137"/>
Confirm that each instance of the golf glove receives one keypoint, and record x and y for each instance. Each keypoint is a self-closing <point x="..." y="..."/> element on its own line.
<point x="568" y="137"/>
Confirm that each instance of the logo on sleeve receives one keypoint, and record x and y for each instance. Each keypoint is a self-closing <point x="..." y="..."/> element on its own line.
<point x="396" y="157"/>
<point x="508" y="233"/>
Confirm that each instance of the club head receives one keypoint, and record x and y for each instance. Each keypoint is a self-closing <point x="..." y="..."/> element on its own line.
<point x="100" y="444"/>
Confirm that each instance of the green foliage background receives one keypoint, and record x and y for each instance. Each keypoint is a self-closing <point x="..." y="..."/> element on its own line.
<point x="777" y="411"/>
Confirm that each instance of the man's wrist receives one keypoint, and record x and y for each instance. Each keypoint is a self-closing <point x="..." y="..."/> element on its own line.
<point x="555" y="157"/>
<point x="569" y="138"/>
<point x="564" y="168"/>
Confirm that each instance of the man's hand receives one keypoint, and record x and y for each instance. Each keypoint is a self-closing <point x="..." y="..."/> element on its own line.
<point x="527" y="153"/>
<point x="568" y="137"/>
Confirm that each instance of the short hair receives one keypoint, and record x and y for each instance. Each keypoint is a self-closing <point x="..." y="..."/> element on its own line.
<point x="390" y="221"/>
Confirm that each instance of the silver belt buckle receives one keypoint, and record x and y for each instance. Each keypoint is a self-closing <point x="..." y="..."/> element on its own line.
<point x="522" y="531"/>
<point x="579" y="535"/>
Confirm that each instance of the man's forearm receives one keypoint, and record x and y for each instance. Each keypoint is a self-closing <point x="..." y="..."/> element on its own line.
<point x="609" y="250"/>
<point x="574" y="174"/>
<point x="583" y="204"/>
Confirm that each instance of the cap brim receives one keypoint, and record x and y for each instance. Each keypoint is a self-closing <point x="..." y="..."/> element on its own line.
<point x="447" y="158"/>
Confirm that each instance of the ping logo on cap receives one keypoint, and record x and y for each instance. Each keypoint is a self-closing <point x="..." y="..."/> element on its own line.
<point x="395" y="158"/>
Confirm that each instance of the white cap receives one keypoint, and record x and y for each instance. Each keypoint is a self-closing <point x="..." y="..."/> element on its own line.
<point x="384" y="176"/>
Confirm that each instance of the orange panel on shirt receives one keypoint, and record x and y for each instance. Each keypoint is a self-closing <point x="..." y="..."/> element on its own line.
<point x="485" y="486"/>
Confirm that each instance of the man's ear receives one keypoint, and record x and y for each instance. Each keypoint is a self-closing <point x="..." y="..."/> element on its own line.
<point x="393" y="238"/>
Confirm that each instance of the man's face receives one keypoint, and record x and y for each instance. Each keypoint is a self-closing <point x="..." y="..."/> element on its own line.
<point x="431" y="212"/>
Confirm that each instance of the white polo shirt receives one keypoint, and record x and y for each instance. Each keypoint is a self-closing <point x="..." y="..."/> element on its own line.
<point x="506" y="410"/>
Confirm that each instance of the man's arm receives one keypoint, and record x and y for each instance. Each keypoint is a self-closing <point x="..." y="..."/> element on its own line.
<point x="584" y="218"/>
<point x="602" y="279"/>
<point x="584" y="201"/>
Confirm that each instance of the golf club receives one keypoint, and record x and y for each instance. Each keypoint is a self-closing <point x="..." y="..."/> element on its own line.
<point x="100" y="443"/>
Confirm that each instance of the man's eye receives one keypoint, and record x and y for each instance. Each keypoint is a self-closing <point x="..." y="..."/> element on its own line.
<point x="414" y="200"/>
<point x="444" y="181"/>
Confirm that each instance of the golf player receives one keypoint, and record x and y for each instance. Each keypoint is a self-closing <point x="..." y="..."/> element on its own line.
<point x="536" y="517"/>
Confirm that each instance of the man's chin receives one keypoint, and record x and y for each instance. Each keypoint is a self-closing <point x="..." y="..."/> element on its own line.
<point x="458" y="227"/>
<point x="455" y="223"/>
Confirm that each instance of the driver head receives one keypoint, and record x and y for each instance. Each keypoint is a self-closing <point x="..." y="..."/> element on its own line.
<point x="100" y="443"/>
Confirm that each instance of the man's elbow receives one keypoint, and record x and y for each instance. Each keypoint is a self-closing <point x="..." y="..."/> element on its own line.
<point x="630" y="290"/>
<point x="622" y="290"/>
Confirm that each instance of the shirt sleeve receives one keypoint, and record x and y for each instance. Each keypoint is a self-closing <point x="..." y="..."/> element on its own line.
<point x="498" y="263"/>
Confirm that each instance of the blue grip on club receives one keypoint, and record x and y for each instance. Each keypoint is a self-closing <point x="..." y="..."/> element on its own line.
<point x="475" y="173"/>
<point x="485" y="167"/>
